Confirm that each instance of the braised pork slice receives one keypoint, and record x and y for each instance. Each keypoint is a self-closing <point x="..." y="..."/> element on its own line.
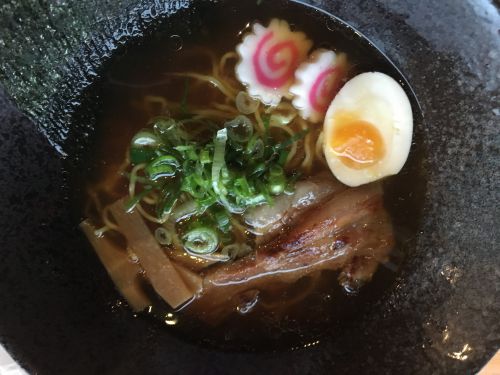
<point x="352" y="225"/>
<point x="267" y="221"/>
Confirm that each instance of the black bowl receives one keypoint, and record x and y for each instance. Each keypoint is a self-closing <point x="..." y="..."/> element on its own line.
<point x="59" y="313"/>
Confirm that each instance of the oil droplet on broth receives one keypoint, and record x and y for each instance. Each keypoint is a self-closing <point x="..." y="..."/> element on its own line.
<point x="171" y="319"/>
<point x="175" y="42"/>
<point x="248" y="302"/>
<point x="331" y="24"/>
<point x="246" y="29"/>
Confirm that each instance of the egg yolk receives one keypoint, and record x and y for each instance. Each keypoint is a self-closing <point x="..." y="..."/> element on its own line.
<point x="357" y="143"/>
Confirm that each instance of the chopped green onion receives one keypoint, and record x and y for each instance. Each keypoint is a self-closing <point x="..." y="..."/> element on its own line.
<point x="143" y="147"/>
<point x="185" y="210"/>
<point x="277" y="180"/>
<point x="264" y="190"/>
<point x="140" y="179"/>
<point x="246" y="104"/>
<point x="283" y="156"/>
<point x="267" y="123"/>
<point x="133" y="201"/>
<point x="165" y="206"/>
<point x="258" y="169"/>
<point x="201" y="241"/>
<point x="145" y="139"/>
<point x="206" y="202"/>
<point x="223" y="220"/>
<point x="239" y="169"/>
<point x="240" y="129"/>
<point x="276" y="187"/>
<point x="163" y="166"/>
<point x="218" y="169"/>
<point x="256" y="200"/>
<point x="289" y="141"/>
<point x="255" y="148"/>
<point x="242" y="188"/>
<point x="276" y="171"/>
<point x="169" y="130"/>
<point x="282" y="120"/>
<point x="163" y="236"/>
<point x="195" y="186"/>
<point x="266" y="120"/>
<point x="290" y="186"/>
<point x="218" y="161"/>
<point x="205" y="157"/>
<point x="188" y="150"/>
<point x="141" y="155"/>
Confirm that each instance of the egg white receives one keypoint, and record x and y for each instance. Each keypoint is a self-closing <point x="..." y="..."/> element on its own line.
<point x="378" y="99"/>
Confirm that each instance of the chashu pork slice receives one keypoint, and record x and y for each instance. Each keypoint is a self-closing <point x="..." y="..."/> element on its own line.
<point x="352" y="225"/>
<point x="268" y="221"/>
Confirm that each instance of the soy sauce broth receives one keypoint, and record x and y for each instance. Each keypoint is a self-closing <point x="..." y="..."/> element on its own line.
<point x="177" y="46"/>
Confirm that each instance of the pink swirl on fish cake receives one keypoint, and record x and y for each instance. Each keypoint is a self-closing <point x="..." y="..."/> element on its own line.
<point x="317" y="81"/>
<point x="269" y="57"/>
<point x="271" y="68"/>
<point x="324" y="89"/>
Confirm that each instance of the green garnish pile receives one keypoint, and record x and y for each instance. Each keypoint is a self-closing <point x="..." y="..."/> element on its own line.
<point x="237" y="169"/>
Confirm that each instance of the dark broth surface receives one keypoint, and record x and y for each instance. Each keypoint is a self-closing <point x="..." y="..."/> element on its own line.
<point x="139" y="72"/>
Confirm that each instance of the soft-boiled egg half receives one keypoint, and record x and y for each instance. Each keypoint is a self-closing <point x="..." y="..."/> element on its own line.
<point x="368" y="129"/>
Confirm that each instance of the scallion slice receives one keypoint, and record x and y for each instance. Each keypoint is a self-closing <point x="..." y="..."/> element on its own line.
<point x="246" y="104"/>
<point x="201" y="241"/>
<point x="143" y="147"/>
<point x="163" y="166"/>
<point x="240" y="129"/>
<point x="163" y="236"/>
